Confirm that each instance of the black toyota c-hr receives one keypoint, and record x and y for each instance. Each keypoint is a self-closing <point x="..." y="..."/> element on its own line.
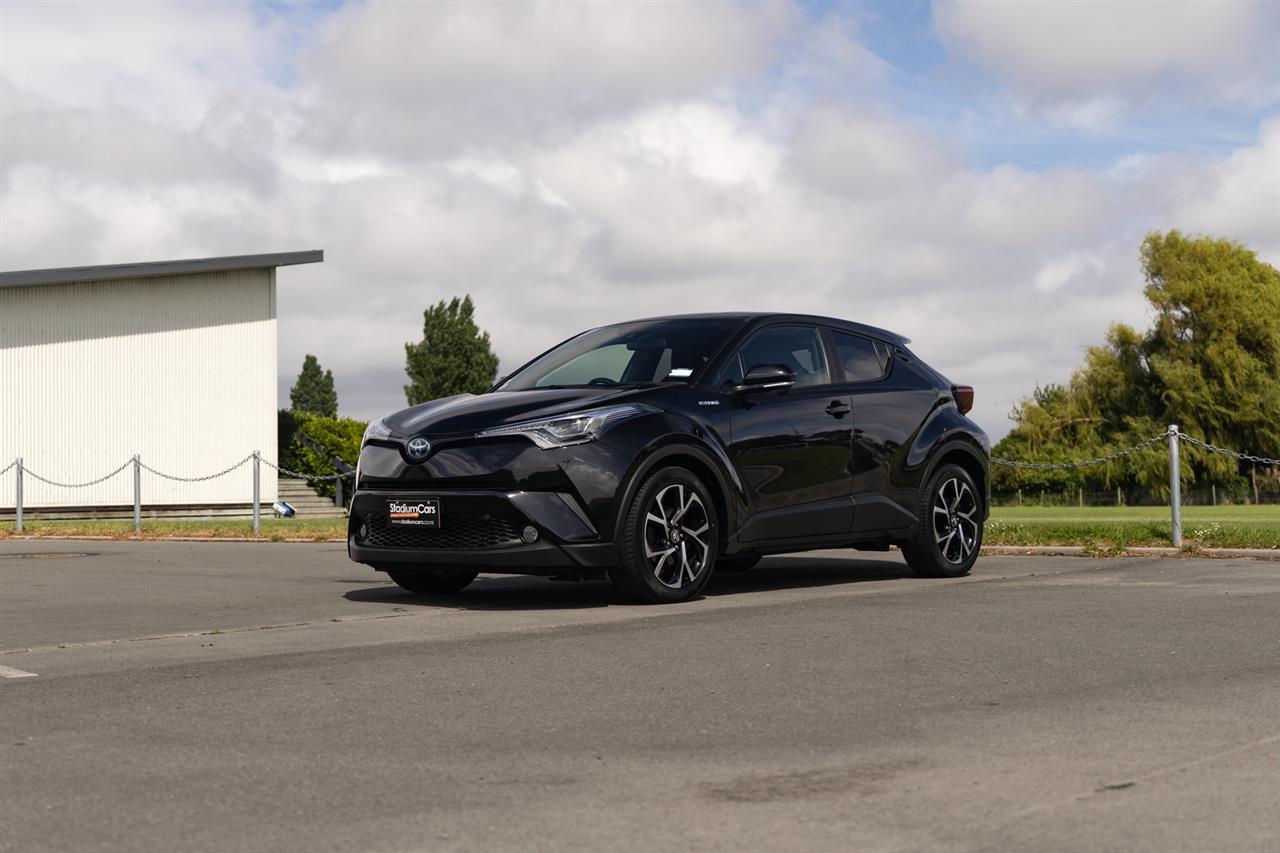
<point x="656" y="450"/>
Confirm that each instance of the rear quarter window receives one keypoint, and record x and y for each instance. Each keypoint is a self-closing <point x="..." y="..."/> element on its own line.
<point x="862" y="359"/>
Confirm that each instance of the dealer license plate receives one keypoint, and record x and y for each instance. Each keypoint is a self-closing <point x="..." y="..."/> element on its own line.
<point x="424" y="512"/>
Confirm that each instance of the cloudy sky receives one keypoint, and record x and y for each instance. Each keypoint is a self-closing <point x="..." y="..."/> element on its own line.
<point x="975" y="175"/>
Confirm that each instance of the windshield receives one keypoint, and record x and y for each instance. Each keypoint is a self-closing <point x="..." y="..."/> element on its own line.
<point x="645" y="352"/>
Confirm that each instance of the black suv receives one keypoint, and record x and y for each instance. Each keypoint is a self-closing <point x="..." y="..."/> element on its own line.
<point x="658" y="449"/>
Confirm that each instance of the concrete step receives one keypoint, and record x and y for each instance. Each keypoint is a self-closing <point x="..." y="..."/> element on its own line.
<point x="306" y="500"/>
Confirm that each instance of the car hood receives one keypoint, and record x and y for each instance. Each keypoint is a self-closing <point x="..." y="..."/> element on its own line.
<point x="470" y="413"/>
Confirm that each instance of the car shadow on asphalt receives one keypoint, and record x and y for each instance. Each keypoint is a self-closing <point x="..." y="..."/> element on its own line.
<point x="518" y="592"/>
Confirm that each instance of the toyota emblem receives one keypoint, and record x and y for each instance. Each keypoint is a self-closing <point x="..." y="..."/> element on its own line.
<point x="418" y="448"/>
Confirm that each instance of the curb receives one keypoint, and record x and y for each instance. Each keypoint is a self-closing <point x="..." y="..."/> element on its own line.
<point x="1136" y="551"/>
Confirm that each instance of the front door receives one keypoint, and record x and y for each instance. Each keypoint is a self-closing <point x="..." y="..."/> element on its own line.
<point x="793" y="450"/>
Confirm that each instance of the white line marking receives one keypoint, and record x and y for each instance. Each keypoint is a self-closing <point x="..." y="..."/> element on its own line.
<point x="10" y="672"/>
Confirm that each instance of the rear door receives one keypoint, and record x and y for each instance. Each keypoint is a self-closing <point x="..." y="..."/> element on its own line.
<point x="889" y="405"/>
<point x="793" y="450"/>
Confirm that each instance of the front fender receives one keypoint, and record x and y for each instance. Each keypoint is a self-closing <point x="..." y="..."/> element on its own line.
<point x="694" y="444"/>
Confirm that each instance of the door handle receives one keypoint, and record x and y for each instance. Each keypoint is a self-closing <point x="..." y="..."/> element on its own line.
<point x="838" y="409"/>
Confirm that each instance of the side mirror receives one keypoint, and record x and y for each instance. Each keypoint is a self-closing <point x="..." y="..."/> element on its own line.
<point x="766" y="377"/>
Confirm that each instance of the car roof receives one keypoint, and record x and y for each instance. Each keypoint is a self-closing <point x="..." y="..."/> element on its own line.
<point x="761" y="316"/>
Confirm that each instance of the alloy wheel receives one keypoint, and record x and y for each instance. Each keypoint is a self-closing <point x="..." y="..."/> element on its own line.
<point x="955" y="528"/>
<point x="675" y="529"/>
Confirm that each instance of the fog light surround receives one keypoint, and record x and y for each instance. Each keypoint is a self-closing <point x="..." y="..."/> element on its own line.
<point x="529" y="535"/>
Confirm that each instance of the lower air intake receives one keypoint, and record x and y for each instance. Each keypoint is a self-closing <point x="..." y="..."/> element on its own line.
<point x="460" y="531"/>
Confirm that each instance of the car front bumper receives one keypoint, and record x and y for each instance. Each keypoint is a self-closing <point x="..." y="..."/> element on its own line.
<point x="505" y="531"/>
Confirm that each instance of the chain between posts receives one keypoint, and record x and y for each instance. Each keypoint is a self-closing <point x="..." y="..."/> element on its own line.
<point x="174" y="477"/>
<point x="1155" y="439"/>
<point x="304" y="476"/>
<point x="138" y="466"/>
<point x="1053" y="466"/>
<point x="1010" y="463"/>
<point x="29" y="473"/>
<point x="1261" y="460"/>
<point x="221" y="473"/>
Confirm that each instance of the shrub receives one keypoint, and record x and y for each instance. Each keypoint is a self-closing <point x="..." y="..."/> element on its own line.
<point x="308" y="444"/>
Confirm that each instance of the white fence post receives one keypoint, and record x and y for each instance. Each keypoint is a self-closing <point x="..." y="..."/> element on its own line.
<point x="1175" y="486"/>
<point x="17" y="514"/>
<point x="256" y="490"/>
<point x="137" y="493"/>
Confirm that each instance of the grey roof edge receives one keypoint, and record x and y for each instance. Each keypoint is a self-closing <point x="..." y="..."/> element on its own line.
<point x="105" y="272"/>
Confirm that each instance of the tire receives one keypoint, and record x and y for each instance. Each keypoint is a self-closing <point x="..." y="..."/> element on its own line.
<point x="432" y="581"/>
<point x="738" y="562"/>
<point x="646" y="570"/>
<point x="949" y="533"/>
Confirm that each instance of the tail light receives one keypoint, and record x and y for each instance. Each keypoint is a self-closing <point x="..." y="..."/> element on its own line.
<point x="963" y="395"/>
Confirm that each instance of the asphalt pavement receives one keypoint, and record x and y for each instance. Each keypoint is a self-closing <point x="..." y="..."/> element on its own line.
<point x="258" y="697"/>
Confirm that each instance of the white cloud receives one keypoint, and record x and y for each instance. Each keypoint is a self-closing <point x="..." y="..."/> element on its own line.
<point x="1070" y="270"/>
<point x="424" y="80"/>
<point x="1238" y="195"/>
<point x="158" y="61"/>
<point x="1084" y="64"/>
<point x="568" y="174"/>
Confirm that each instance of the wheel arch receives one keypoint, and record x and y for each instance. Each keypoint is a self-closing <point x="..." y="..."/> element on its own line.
<point x="969" y="457"/>
<point x="698" y="461"/>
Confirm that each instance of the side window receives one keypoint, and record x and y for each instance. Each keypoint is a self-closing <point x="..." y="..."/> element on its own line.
<point x="730" y="373"/>
<point x="797" y="347"/>
<point x="860" y="357"/>
<point x="886" y="355"/>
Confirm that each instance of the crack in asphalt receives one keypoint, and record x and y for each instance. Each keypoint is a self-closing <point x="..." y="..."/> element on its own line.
<point x="1133" y="780"/>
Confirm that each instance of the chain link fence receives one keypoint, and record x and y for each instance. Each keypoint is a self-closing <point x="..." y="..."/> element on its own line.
<point x="255" y="459"/>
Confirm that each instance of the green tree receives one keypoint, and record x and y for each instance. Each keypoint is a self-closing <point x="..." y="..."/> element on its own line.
<point x="313" y="392"/>
<point x="1210" y="363"/>
<point x="453" y="357"/>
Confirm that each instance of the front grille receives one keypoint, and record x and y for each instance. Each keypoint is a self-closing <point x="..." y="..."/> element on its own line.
<point x="461" y="530"/>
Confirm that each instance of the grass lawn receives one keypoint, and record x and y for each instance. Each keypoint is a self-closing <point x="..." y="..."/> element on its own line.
<point x="272" y="530"/>
<point x="1114" y="528"/>
<point x="1102" y="528"/>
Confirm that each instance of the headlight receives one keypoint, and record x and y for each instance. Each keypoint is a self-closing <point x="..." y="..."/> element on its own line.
<point x="563" y="430"/>
<point x="376" y="429"/>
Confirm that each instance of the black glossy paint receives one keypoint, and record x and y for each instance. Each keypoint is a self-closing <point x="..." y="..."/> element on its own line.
<point x="814" y="466"/>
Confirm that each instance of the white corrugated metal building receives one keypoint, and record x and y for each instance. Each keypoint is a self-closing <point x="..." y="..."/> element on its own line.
<point x="172" y="360"/>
